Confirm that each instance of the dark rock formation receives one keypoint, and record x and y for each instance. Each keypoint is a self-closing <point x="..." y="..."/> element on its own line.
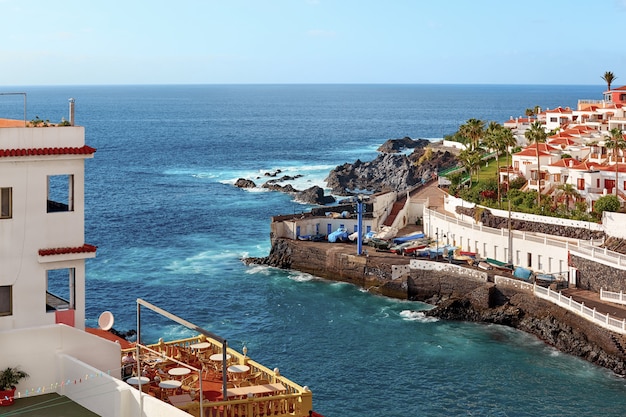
<point x="388" y="172"/>
<point x="397" y="145"/>
<point x="555" y="326"/>
<point x="282" y="188"/>
<point x="284" y="178"/>
<point x="244" y="183"/>
<point x="314" y="195"/>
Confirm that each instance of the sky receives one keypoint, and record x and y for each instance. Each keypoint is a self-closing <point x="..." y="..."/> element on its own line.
<point x="91" y="42"/>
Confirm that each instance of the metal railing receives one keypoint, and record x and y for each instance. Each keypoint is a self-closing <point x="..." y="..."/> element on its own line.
<point x="603" y="320"/>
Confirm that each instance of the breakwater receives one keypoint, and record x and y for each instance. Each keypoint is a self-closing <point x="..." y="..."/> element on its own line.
<point x="455" y="296"/>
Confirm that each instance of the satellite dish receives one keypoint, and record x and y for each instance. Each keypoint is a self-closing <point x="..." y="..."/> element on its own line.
<point x="106" y="320"/>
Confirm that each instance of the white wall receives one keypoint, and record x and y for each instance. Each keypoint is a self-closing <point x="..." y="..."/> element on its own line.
<point x="541" y="253"/>
<point x="53" y="355"/>
<point x="614" y="224"/>
<point x="31" y="228"/>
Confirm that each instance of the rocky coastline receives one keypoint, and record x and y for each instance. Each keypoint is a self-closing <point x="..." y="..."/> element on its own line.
<point x="454" y="297"/>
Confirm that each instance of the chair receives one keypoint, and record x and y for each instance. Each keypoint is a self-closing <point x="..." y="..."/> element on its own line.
<point x="262" y="381"/>
<point x="189" y="382"/>
<point x="243" y="383"/>
<point x="254" y="377"/>
<point x="127" y="371"/>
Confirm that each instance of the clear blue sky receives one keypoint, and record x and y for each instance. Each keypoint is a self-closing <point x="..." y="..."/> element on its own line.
<point x="64" y="42"/>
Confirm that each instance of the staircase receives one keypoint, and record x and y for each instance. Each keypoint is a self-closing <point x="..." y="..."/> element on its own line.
<point x="395" y="209"/>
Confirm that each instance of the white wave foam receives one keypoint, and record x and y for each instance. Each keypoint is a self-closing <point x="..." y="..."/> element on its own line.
<point x="300" y="276"/>
<point x="259" y="269"/>
<point x="412" y="315"/>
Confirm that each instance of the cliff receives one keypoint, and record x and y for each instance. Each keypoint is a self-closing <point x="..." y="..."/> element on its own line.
<point x="455" y="297"/>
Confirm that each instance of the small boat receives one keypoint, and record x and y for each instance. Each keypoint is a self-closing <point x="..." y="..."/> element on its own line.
<point x="484" y="265"/>
<point x="339" y="235"/>
<point x="379" y="243"/>
<point x="522" y="273"/>
<point x="504" y="266"/>
<point x="313" y="238"/>
<point x="407" y="238"/>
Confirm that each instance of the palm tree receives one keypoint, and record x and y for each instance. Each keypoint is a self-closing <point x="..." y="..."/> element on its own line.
<point x="537" y="134"/>
<point x="497" y="137"/>
<point x="473" y="130"/>
<point x="616" y="143"/>
<point x="470" y="159"/>
<point x="608" y="77"/>
<point x="568" y="191"/>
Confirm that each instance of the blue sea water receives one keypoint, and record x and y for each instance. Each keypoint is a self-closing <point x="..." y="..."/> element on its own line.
<point x="171" y="228"/>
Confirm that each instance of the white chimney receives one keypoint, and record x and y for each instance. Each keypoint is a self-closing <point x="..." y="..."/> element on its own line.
<point x="71" y="100"/>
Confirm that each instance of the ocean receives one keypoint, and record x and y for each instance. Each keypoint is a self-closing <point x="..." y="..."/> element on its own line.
<point x="172" y="229"/>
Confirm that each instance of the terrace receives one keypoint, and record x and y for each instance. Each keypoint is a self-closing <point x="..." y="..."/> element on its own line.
<point x="203" y="376"/>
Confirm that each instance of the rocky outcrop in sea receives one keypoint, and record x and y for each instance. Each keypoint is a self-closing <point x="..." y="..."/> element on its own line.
<point x="389" y="172"/>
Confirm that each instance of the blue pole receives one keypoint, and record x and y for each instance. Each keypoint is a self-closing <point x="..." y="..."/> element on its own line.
<point x="359" y="228"/>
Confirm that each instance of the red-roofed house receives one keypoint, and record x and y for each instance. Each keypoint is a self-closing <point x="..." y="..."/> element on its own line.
<point x="556" y="118"/>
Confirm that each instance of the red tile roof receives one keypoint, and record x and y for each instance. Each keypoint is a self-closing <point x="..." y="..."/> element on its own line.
<point x="125" y="344"/>
<point x="565" y="162"/>
<point x="559" y="110"/>
<point x="531" y="152"/>
<point x="63" y="251"/>
<point x="83" y="150"/>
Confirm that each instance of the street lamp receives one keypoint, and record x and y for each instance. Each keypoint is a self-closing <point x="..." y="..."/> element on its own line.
<point x="359" y="227"/>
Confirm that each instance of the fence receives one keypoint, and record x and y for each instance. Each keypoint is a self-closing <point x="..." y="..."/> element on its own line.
<point x="603" y="320"/>
<point x="614" y="297"/>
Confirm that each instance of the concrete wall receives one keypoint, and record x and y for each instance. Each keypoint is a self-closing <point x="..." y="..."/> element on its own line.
<point x="79" y="365"/>
<point x="513" y="283"/>
<point x="614" y="224"/>
<point x="449" y="268"/>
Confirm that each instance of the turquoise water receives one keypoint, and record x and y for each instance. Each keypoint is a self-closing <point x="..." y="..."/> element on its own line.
<point x="171" y="229"/>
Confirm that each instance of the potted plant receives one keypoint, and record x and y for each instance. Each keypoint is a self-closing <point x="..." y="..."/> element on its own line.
<point x="9" y="378"/>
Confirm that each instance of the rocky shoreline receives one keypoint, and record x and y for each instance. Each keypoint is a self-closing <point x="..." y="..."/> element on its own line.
<point x="455" y="297"/>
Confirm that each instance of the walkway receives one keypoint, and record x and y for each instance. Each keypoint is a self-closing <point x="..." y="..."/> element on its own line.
<point x="592" y="300"/>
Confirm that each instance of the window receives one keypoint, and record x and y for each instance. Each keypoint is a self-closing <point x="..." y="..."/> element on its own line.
<point x="580" y="184"/>
<point x="6" y="203"/>
<point x="60" y="289"/>
<point x="553" y="120"/>
<point x="6" y="304"/>
<point x="60" y="193"/>
<point x="529" y="259"/>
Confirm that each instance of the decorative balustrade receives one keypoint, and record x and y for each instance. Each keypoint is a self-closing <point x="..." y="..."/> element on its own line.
<point x="613" y="297"/>
<point x="603" y="320"/>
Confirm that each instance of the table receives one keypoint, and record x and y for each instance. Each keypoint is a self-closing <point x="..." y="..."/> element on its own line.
<point x="180" y="400"/>
<point x="217" y="357"/>
<point x="255" y="389"/>
<point x="179" y="371"/>
<point x="134" y="380"/>
<point x="200" y="346"/>
<point x="170" y="384"/>
<point x="238" y="369"/>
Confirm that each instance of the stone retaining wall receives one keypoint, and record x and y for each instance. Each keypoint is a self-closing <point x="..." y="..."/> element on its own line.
<point x="594" y="276"/>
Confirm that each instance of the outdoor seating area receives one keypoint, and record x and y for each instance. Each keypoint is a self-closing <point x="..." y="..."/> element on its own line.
<point x="191" y="374"/>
